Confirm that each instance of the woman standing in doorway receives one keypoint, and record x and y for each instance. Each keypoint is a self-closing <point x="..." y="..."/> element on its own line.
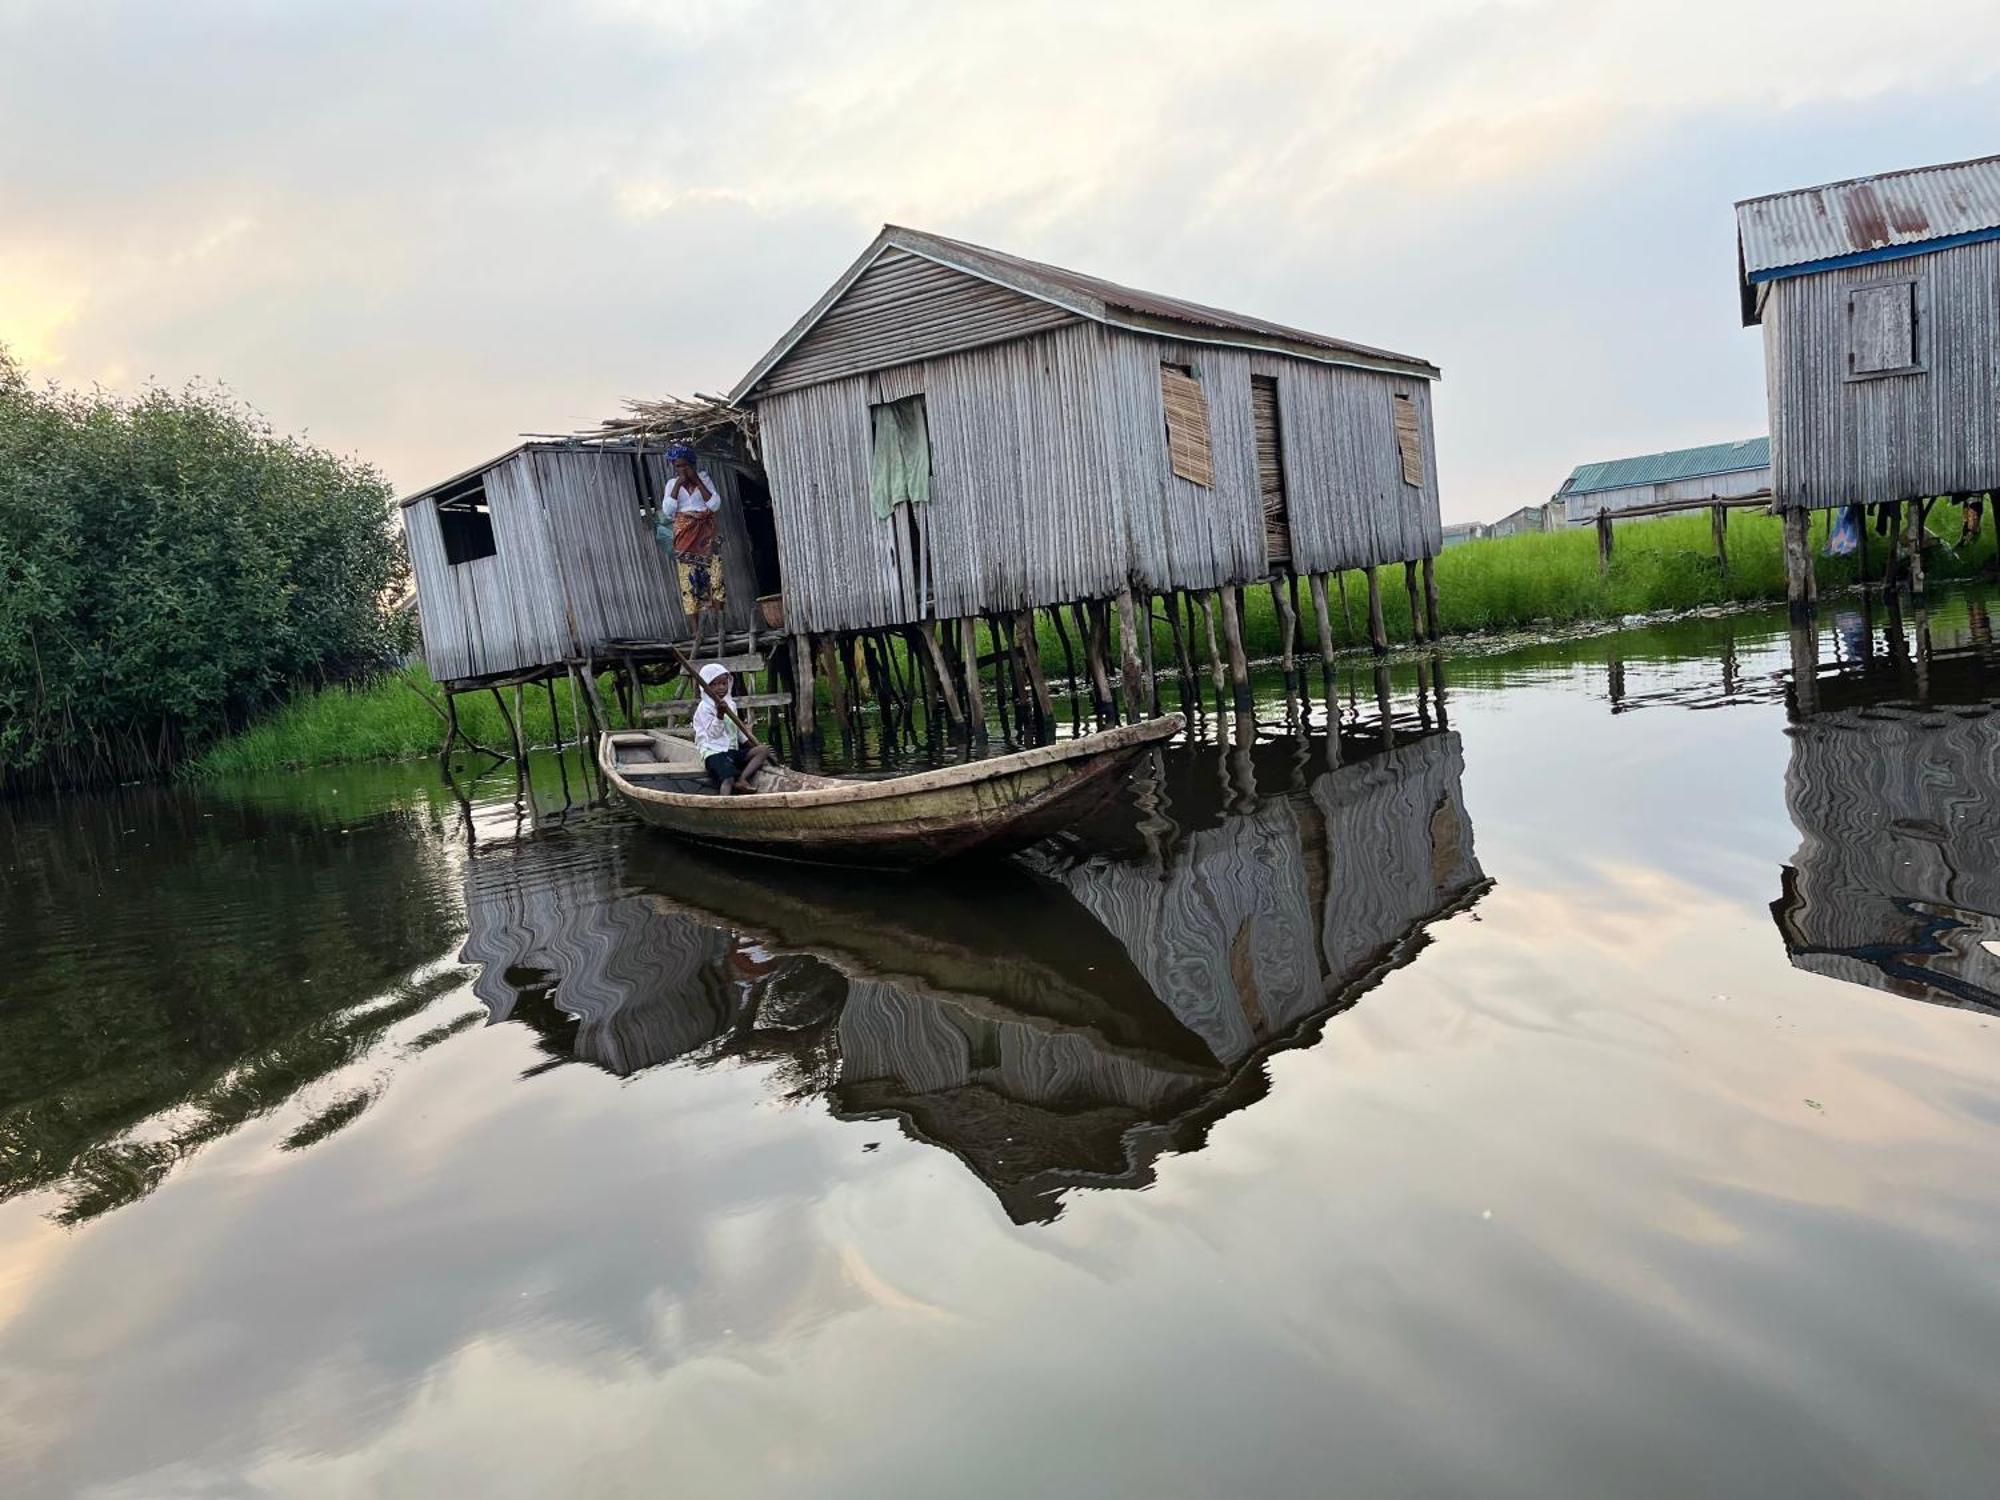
<point x="689" y="508"/>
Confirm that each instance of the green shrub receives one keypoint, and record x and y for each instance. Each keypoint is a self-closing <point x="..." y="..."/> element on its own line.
<point x="170" y="568"/>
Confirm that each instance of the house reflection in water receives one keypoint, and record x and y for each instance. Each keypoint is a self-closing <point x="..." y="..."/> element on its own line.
<point x="1053" y="1024"/>
<point x="1892" y="785"/>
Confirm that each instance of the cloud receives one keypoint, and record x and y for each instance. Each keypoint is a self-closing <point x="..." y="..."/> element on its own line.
<point x="417" y="233"/>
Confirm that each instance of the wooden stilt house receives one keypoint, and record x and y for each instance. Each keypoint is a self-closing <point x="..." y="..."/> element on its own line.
<point x="545" y="558"/>
<point x="1879" y="299"/>
<point x="953" y="433"/>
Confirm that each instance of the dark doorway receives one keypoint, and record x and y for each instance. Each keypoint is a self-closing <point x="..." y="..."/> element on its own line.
<point x="754" y="495"/>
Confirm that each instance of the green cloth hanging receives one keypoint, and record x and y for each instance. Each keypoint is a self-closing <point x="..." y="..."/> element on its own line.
<point x="902" y="471"/>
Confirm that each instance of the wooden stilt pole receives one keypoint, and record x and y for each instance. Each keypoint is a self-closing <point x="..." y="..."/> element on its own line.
<point x="1416" y="602"/>
<point x="520" y="726"/>
<point x="1183" y="660"/>
<point x="1214" y="651"/>
<point x="1718" y="525"/>
<point x="1031" y="657"/>
<point x="1068" y="651"/>
<point x="1288" y="629"/>
<point x="1430" y="598"/>
<point x="1383" y="707"/>
<point x="940" y="672"/>
<point x="1100" y="655"/>
<point x="828" y="647"/>
<point x="450" y="727"/>
<point x="1143" y="601"/>
<point x="1132" y="668"/>
<point x="591" y="693"/>
<point x="975" y="700"/>
<point x="1913" y="519"/>
<point x="513" y="728"/>
<point x="1378" y="634"/>
<point x="1239" y="664"/>
<point x="1798" y="562"/>
<point x="1323" y="616"/>
<point x="1603" y="542"/>
<point x="555" y="718"/>
<point x="805" y="702"/>
<point x="1006" y="694"/>
<point x="1346" y="614"/>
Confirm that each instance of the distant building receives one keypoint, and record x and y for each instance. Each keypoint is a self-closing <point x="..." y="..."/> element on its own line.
<point x="1465" y="531"/>
<point x="1658" y="481"/>
<point x="1880" y="303"/>
<point x="1527" y="518"/>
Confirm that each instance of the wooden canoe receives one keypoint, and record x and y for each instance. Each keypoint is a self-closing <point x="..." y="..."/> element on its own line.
<point x="901" y="823"/>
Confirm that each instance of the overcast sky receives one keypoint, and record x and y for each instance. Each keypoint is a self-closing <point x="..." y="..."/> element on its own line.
<point x="414" y="231"/>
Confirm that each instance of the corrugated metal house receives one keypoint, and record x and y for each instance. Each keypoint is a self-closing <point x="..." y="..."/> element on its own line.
<point x="1074" y="438"/>
<point x="1880" y="303"/>
<point x="545" y="556"/>
<point x="1660" y="481"/>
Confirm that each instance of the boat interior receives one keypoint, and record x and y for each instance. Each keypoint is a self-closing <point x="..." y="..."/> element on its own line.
<point x="669" y="763"/>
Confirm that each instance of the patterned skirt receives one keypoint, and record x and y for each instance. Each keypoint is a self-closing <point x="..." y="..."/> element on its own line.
<point x="701" y="581"/>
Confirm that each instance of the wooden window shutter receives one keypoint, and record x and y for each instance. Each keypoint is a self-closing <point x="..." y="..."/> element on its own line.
<point x="1881" y="328"/>
<point x="1187" y="426"/>
<point x="1409" y="441"/>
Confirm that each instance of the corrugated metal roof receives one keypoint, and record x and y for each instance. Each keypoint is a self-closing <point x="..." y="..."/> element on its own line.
<point x="1658" y="468"/>
<point x="1091" y="297"/>
<point x="1885" y="212"/>
<point x="1117" y="298"/>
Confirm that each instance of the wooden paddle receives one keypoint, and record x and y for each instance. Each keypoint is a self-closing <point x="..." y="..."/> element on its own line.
<point x="735" y="718"/>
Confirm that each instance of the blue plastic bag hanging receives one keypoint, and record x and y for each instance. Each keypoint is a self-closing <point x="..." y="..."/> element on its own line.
<point x="1843" y="537"/>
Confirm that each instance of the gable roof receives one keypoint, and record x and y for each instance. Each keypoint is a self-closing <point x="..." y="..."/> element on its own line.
<point x="1864" y="219"/>
<point x="1094" y="298"/>
<point x="1676" y="463"/>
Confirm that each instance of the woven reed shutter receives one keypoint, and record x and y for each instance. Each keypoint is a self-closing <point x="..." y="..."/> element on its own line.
<point x="1409" y="441"/>
<point x="1187" y="425"/>
<point x="1270" y="470"/>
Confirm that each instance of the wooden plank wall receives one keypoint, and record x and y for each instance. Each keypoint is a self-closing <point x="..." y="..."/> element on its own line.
<point x="1023" y="506"/>
<point x="1184" y="535"/>
<point x="1052" y="479"/>
<point x="905" y="308"/>
<point x="493" y="614"/>
<point x="1344" y="487"/>
<point x="1893" y="437"/>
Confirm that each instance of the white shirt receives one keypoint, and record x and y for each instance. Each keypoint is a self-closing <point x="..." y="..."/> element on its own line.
<point x="692" y="502"/>
<point x="712" y="731"/>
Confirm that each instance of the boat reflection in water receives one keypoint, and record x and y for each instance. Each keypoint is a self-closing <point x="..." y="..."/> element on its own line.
<point x="1893" y="781"/>
<point x="1054" y="1023"/>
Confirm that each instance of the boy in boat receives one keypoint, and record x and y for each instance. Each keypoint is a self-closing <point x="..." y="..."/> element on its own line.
<point x="717" y="737"/>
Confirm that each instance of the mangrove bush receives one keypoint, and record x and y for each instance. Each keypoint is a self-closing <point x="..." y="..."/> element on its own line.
<point x="170" y="568"/>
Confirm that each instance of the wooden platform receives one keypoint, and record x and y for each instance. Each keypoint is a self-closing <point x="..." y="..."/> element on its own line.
<point x="679" y="710"/>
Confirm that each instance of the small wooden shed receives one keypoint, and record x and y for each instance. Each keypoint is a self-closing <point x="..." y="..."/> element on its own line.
<point x="544" y="558"/>
<point x="1879" y="298"/>
<point x="1070" y="438"/>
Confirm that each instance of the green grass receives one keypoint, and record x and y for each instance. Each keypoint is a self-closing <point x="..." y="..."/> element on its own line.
<point x="1552" y="578"/>
<point x="1521" y="582"/>
<point x="386" y="719"/>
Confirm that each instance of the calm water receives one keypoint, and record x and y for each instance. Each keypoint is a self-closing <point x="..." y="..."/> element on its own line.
<point x="1585" y="1082"/>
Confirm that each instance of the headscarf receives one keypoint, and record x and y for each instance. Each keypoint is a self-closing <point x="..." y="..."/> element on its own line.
<point x="680" y="452"/>
<point x="712" y="670"/>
